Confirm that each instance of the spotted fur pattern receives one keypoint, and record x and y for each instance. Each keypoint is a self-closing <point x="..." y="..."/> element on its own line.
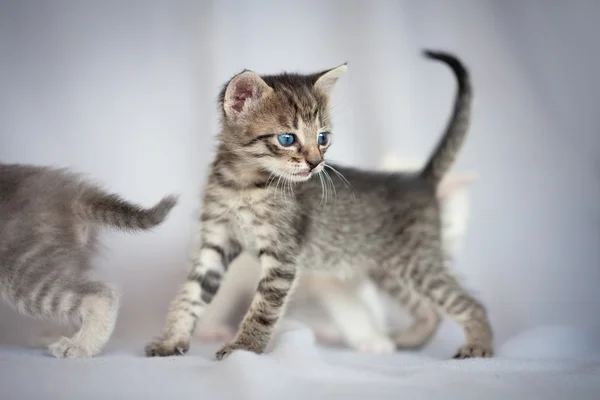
<point x="49" y="221"/>
<point x="261" y="197"/>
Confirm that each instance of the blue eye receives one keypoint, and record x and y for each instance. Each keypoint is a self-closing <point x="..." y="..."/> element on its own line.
<point x="286" y="139"/>
<point x="323" y="138"/>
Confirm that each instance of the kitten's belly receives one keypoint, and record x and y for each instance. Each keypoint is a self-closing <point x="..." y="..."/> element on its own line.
<point x="334" y="261"/>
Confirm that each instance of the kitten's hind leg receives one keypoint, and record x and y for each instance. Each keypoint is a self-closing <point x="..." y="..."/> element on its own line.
<point x="468" y="312"/>
<point x="93" y="306"/>
<point x="444" y="291"/>
<point x="425" y="316"/>
<point x="425" y="323"/>
<point x="432" y="288"/>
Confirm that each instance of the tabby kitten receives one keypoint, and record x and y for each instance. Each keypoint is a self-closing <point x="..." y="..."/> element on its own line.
<point x="49" y="221"/>
<point x="260" y="197"/>
<point x="339" y="311"/>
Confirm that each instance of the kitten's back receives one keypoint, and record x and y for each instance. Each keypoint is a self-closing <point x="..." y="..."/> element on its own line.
<point x="38" y="190"/>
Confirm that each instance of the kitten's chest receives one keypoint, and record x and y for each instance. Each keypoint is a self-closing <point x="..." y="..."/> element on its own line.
<point x="245" y="219"/>
<point x="242" y="223"/>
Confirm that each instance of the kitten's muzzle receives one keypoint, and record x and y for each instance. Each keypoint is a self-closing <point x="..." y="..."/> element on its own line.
<point x="313" y="162"/>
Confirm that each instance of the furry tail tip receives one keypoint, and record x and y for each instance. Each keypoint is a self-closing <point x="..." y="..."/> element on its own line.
<point x="451" y="60"/>
<point x="158" y="213"/>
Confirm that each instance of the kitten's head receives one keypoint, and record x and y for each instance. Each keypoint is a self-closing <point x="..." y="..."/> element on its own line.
<point x="279" y="122"/>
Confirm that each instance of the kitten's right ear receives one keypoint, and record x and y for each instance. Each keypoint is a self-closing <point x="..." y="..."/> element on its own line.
<point x="326" y="80"/>
<point x="243" y="92"/>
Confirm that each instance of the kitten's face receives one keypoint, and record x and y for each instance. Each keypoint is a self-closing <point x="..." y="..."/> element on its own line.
<point x="280" y="123"/>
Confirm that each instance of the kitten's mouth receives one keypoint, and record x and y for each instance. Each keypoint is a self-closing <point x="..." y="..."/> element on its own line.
<point x="301" y="176"/>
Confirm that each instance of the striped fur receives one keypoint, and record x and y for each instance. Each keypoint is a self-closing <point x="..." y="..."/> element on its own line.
<point x="48" y="233"/>
<point x="262" y="197"/>
<point x="339" y="311"/>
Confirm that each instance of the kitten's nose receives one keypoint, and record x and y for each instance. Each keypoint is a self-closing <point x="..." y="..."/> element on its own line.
<point x="313" y="162"/>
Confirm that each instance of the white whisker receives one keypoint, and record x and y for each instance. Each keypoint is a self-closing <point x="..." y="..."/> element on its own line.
<point x="322" y="188"/>
<point x="344" y="180"/>
<point x="326" y="188"/>
<point x="332" y="185"/>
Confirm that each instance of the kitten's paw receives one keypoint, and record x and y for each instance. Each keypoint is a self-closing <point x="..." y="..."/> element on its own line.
<point x="215" y="333"/>
<point x="66" y="348"/>
<point x="374" y="344"/>
<point x="225" y="352"/>
<point x="474" y="350"/>
<point x="167" y="347"/>
<point x="237" y="345"/>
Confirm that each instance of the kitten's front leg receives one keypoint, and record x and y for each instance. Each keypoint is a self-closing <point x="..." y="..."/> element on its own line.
<point x="214" y="255"/>
<point x="278" y="274"/>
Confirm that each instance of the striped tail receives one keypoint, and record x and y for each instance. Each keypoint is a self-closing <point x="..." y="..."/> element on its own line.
<point x="111" y="210"/>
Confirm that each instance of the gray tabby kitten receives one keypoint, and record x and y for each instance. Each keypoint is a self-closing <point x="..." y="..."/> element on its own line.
<point x="49" y="221"/>
<point x="260" y="197"/>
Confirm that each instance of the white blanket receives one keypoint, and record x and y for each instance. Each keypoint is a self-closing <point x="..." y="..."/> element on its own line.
<point x="547" y="363"/>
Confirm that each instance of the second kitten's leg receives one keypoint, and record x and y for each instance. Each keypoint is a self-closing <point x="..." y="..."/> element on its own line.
<point x="342" y="301"/>
<point x="201" y="285"/>
<point x="425" y="323"/>
<point x="278" y="274"/>
<point x="90" y="307"/>
<point x="94" y="307"/>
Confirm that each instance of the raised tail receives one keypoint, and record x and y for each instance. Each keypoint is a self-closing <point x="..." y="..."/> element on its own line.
<point x="447" y="148"/>
<point x="111" y="210"/>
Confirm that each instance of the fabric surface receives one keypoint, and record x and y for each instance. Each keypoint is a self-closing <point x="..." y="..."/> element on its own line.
<point x="546" y="363"/>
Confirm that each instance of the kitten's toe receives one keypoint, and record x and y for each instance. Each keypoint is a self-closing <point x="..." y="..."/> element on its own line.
<point x="224" y="352"/>
<point x="474" y="350"/>
<point x="166" y="348"/>
<point x="374" y="344"/>
<point x="239" y="345"/>
<point x="67" y="348"/>
<point x="215" y="333"/>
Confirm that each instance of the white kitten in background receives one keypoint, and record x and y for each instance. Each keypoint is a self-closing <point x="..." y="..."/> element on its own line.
<point x="348" y="311"/>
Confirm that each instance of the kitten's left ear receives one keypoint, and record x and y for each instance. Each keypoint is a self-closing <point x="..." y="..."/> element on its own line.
<point x="454" y="183"/>
<point x="326" y="80"/>
<point x="242" y="93"/>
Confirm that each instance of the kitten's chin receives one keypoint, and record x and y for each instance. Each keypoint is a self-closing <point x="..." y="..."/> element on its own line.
<point x="295" y="176"/>
<point x="300" y="176"/>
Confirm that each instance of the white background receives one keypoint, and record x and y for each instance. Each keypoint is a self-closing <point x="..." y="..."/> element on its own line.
<point x="125" y="91"/>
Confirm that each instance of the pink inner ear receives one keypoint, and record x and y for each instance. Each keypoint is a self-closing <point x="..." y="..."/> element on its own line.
<point x="243" y="91"/>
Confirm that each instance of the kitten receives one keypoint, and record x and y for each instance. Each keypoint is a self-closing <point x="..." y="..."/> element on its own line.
<point x="49" y="221"/>
<point x="260" y="197"/>
<point x="355" y="312"/>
